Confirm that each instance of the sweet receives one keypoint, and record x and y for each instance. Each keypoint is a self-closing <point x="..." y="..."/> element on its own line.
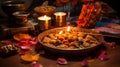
<point x="62" y="61"/>
<point x="8" y="49"/>
<point x="71" y="40"/>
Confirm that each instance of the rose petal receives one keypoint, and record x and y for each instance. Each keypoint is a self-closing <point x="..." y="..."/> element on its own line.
<point x="6" y="41"/>
<point x="22" y="52"/>
<point x="103" y="57"/>
<point x="84" y="63"/>
<point x="37" y="65"/>
<point x="62" y="61"/>
<point x="32" y="43"/>
<point x="34" y="62"/>
<point x="25" y="47"/>
<point x="90" y="60"/>
<point x="22" y="43"/>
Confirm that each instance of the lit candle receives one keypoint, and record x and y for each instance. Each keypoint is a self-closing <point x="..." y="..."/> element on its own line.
<point x="60" y="18"/>
<point x="44" y="21"/>
<point x="68" y="29"/>
<point x="69" y="35"/>
<point x="60" y="32"/>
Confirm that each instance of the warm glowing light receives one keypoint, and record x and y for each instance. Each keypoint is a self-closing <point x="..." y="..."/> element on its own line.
<point x="59" y="14"/>
<point x="68" y="29"/>
<point x="60" y="32"/>
<point x="44" y="21"/>
<point x="60" y="18"/>
<point x="44" y="18"/>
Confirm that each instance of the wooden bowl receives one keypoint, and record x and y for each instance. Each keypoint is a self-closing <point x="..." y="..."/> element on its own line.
<point x="10" y="6"/>
<point x="44" y="10"/>
<point x="69" y="52"/>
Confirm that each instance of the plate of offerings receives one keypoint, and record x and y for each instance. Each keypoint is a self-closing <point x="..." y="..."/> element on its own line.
<point x="70" y="40"/>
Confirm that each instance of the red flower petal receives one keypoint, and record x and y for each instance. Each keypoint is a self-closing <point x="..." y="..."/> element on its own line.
<point x="37" y="65"/>
<point x="6" y="41"/>
<point x="62" y="61"/>
<point x="22" y="52"/>
<point x="23" y="42"/>
<point x="103" y="52"/>
<point x="33" y="43"/>
<point x="103" y="55"/>
<point x="34" y="62"/>
<point x="110" y="44"/>
<point x="84" y="63"/>
<point x="33" y="38"/>
<point x="25" y="47"/>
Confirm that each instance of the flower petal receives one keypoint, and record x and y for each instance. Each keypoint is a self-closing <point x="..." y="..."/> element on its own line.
<point x="6" y="41"/>
<point x="25" y="47"/>
<point x="32" y="43"/>
<point x="84" y="63"/>
<point x="34" y="62"/>
<point x="103" y="55"/>
<point x="23" y="42"/>
<point x="62" y="61"/>
<point x="37" y="65"/>
<point x="22" y="52"/>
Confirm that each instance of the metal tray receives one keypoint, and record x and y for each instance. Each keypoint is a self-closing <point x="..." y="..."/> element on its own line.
<point x="68" y="52"/>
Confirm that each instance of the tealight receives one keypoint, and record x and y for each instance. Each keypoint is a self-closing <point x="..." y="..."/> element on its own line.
<point x="60" y="19"/>
<point x="44" y="22"/>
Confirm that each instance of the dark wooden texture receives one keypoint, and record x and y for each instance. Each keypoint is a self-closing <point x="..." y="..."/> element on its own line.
<point x="50" y="61"/>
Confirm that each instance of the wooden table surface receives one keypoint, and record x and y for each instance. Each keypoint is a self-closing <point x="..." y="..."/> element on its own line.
<point x="49" y="60"/>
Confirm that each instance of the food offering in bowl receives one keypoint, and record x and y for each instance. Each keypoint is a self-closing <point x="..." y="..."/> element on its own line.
<point x="75" y="41"/>
<point x="44" y="10"/>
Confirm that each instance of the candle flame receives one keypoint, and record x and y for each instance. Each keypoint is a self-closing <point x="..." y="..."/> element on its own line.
<point x="60" y="14"/>
<point x="60" y="32"/>
<point x="68" y="29"/>
<point x="45" y="16"/>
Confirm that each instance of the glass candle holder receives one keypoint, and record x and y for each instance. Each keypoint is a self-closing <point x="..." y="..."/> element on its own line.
<point x="44" y="22"/>
<point x="60" y="19"/>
